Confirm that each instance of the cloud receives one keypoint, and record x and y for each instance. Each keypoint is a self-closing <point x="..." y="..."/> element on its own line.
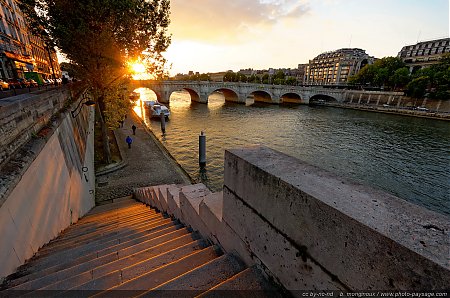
<point x="220" y="21"/>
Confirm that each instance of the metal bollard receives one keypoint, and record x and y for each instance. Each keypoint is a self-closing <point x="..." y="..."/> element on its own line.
<point x="163" y="122"/>
<point x="202" y="149"/>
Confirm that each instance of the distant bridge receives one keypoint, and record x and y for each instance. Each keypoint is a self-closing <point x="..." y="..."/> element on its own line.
<point x="242" y="92"/>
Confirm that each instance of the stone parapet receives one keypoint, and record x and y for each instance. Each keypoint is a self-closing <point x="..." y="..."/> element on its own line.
<point x="344" y="235"/>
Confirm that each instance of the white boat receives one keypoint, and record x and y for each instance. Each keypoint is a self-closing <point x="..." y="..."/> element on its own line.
<point x="156" y="108"/>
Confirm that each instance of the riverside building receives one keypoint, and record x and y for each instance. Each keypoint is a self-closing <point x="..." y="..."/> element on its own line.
<point x="424" y="54"/>
<point x="23" y="55"/>
<point x="335" y="68"/>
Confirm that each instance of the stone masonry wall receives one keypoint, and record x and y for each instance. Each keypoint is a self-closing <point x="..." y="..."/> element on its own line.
<point x="24" y="115"/>
<point x="394" y="99"/>
<point x="48" y="183"/>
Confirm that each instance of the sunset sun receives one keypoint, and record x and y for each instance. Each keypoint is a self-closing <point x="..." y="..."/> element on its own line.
<point x="138" y="67"/>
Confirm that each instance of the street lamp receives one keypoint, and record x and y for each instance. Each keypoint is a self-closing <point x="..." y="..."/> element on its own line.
<point x="79" y="107"/>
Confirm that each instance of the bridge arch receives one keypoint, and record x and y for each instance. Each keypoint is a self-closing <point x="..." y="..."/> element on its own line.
<point x="321" y="98"/>
<point x="229" y="94"/>
<point x="194" y="94"/>
<point x="261" y="96"/>
<point x="291" y="97"/>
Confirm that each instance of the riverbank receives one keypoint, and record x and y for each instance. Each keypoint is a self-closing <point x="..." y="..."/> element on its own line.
<point x="390" y="110"/>
<point x="144" y="164"/>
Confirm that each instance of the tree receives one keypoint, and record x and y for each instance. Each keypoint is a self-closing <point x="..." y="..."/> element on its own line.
<point x="241" y="77"/>
<point x="99" y="37"/>
<point x="279" y="75"/>
<point x="253" y="79"/>
<point x="417" y="87"/>
<point x="433" y="81"/>
<point x="291" y="81"/>
<point x="230" y="77"/>
<point x="70" y="68"/>
<point x="380" y="74"/>
<point x="401" y="78"/>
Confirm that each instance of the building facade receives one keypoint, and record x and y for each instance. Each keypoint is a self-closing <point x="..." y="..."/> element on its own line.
<point x="424" y="54"/>
<point x="335" y="68"/>
<point x="23" y="55"/>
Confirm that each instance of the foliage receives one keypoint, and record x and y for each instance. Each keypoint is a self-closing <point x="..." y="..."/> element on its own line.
<point x="253" y="79"/>
<point x="417" y="87"/>
<point x="433" y="81"/>
<point x="99" y="38"/>
<point x="198" y="77"/>
<point x="70" y="68"/>
<point x="385" y="72"/>
<point x="279" y="75"/>
<point x="117" y="105"/>
<point x="230" y="76"/>
<point x="401" y="77"/>
<point x="291" y="81"/>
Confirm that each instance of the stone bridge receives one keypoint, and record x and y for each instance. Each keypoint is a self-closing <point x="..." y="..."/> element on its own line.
<point x="242" y="92"/>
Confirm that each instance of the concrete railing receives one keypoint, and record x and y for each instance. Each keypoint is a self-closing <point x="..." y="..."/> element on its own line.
<point x="48" y="183"/>
<point x="312" y="230"/>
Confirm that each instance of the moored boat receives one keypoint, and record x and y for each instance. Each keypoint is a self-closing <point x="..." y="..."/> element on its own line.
<point x="156" y="108"/>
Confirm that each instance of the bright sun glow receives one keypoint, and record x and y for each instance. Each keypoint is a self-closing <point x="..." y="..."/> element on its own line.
<point x="138" y="67"/>
<point x="139" y="70"/>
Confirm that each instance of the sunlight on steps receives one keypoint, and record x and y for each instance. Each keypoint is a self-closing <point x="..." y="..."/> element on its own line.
<point x="126" y="245"/>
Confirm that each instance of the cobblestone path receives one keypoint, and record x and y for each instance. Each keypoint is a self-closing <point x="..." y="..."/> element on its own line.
<point x="145" y="163"/>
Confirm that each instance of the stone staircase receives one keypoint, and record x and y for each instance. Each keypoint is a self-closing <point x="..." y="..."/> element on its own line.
<point x="127" y="245"/>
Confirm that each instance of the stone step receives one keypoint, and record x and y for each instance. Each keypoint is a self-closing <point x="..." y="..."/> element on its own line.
<point x="101" y="280"/>
<point x="54" y="251"/>
<point x="168" y="227"/>
<point x="247" y="281"/>
<point x="122" y="250"/>
<point x="204" y="277"/>
<point x="102" y="243"/>
<point x="140" y="208"/>
<point x="112" y="206"/>
<point x="118" y="235"/>
<point x="160" y="275"/>
<point x="105" y="227"/>
<point x="117" y="215"/>
<point x="127" y="246"/>
<point x="143" y="260"/>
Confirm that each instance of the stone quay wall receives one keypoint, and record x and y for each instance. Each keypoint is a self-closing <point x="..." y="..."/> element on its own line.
<point x="23" y="116"/>
<point x="312" y="230"/>
<point x="395" y="100"/>
<point x="46" y="183"/>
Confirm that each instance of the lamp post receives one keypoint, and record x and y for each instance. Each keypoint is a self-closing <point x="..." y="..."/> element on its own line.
<point x="80" y="105"/>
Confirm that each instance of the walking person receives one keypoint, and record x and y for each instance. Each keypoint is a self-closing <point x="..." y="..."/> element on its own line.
<point x="129" y="140"/>
<point x="134" y="129"/>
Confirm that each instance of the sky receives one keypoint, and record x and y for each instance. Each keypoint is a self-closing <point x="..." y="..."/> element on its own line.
<point x="221" y="35"/>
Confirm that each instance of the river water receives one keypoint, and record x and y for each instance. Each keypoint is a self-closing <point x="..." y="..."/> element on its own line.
<point x="405" y="156"/>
